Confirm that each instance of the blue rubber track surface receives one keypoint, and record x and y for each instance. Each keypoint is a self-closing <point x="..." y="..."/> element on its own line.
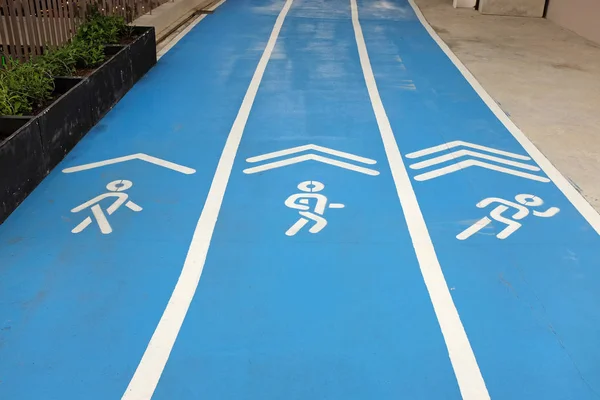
<point x="286" y="307"/>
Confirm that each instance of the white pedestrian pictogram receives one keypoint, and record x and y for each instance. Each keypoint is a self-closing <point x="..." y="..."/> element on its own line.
<point x="497" y="214"/>
<point x="116" y="189"/>
<point x="301" y="201"/>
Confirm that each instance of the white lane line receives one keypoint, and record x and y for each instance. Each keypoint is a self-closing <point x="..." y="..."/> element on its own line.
<point x="184" y="32"/>
<point x="157" y="353"/>
<point x="468" y="375"/>
<point x="579" y="202"/>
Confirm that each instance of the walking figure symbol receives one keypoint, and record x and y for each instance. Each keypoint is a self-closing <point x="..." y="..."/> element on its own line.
<point x="301" y="201"/>
<point x="116" y="189"/>
<point x="523" y="200"/>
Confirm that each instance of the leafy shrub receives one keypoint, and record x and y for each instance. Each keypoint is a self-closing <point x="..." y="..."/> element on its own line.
<point x="63" y="61"/>
<point x="101" y="29"/>
<point x="26" y="80"/>
<point x="25" y="86"/>
<point x="59" y="61"/>
<point x="87" y="55"/>
<point x="12" y="103"/>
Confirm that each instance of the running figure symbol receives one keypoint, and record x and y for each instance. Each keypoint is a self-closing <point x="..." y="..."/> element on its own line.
<point x="523" y="200"/>
<point x="301" y="201"/>
<point x="115" y="190"/>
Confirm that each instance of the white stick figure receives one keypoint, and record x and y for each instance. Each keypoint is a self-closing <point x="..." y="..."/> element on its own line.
<point x="497" y="214"/>
<point x="121" y="198"/>
<point x="301" y="201"/>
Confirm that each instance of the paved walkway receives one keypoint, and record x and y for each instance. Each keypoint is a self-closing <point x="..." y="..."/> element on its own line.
<point x="542" y="75"/>
<point x="168" y="17"/>
<point x="300" y="208"/>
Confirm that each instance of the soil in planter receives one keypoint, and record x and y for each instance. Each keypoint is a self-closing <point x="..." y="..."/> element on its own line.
<point x="35" y="110"/>
<point x="125" y="40"/>
<point x="83" y="72"/>
<point x="61" y="87"/>
<point x="53" y="97"/>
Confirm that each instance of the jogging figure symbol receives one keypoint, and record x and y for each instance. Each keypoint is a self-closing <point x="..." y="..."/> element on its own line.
<point x="524" y="201"/>
<point x="301" y="201"/>
<point x="115" y="190"/>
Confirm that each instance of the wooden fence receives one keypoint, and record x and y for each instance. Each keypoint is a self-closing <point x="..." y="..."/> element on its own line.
<point x="29" y="26"/>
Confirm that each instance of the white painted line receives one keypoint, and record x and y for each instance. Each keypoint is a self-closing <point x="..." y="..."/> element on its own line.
<point x="473" y="229"/>
<point x="468" y="375"/>
<point x="462" y="153"/>
<point x="460" y="166"/>
<point x="309" y="157"/>
<point x="138" y="156"/>
<point x="184" y="32"/>
<point x="456" y="143"/>
<point x="157" y="353"/>
<point x="314" y="147"/>
<point x="105" y="227"/>
<point x="578" y="201"/>
<point x="84" y="224"/>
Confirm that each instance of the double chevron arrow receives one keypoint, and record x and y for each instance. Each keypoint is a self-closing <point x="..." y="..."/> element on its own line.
<point x="508" y="162"/>
<point x="285" y="160"/>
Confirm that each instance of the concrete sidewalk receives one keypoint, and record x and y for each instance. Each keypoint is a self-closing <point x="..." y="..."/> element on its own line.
<point x="170" y="16"/>
<point x="546" y="78"/>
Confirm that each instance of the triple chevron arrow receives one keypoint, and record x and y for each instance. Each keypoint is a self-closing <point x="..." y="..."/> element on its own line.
<point x="515" y="168"/>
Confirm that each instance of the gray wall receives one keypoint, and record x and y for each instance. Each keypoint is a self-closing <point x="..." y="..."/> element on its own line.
<point x="579" y="16"/>
<point x="518" y="8"/>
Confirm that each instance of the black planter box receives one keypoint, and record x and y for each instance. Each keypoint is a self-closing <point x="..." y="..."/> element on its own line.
<point x="66" y="121"/>
<point x="21" y="163"/>
<point x="109" y="83"/>
<point x="32" y="146"/>
<point x="11" y="124"/>
<point x="143" y="52"/>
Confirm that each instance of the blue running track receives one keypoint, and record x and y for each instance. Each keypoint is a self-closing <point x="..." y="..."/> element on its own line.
<point x="326" y="195"/>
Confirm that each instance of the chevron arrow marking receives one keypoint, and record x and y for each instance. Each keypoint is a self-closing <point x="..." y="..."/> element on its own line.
<point x="456" y="143"/>
<point x="313" y="147"/>
<point x="475" y="163"/>
<point x="309" y="157"/>
<point x="461" y="153"/>
<point x="138" y="156"/>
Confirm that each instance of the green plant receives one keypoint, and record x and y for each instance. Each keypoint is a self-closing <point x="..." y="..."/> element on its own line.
<point x="101" y="29"/>
<point x="86" y="49"/>
<point x="59" y="61"/>
<point x="63" y="61"/>
<point x="24" y="86"/>
<point x="31" y="79"/>
<point x="86" y="54"/>
<point x="12" y="103"/>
